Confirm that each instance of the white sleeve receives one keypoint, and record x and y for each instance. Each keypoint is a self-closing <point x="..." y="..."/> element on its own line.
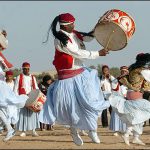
<point x="112" y="78"/>
<point x="114" y="83"/>
<point x="123" y="90"/>
<point x="16" y="85"/>
<point x="146" y="74"/>
<point x="74" y="51"/>
<point x="102" y="83"/>
<point x="36" y="85"/>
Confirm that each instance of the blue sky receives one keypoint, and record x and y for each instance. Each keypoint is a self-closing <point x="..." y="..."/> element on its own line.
<point x="27" y="23"/>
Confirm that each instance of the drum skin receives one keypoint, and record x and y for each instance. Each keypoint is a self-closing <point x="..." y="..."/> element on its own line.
<point x="114" y="26"/>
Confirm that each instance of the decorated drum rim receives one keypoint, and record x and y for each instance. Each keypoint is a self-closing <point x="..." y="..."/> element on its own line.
<point x="127" y="14"/>
<point x="34" y="102"/>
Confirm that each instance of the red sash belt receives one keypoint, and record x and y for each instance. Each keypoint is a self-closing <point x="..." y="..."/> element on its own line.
<point x="65" y="74"/>
<point x="132" y="95"/>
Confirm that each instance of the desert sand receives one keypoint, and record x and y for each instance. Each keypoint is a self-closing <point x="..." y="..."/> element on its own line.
<point x="60" y="139"/>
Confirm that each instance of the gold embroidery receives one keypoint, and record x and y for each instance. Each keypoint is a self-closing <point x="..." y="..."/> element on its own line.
<point x="136" y="81"/>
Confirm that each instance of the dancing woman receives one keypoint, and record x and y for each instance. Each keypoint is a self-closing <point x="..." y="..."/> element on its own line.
<point x="75" y="99"/>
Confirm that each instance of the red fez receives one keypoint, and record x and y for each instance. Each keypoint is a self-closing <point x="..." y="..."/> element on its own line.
<point x="124" y="68"/>
<point x="25" y="65"/>
<point x="9" y="73"/>
<point x="66" y="19"/>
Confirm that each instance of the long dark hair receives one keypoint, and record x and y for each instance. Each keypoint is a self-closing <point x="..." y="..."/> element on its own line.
<point x="141" y="61"/>
<point x="86" y="34"/>
<point x="60" y="35"/>
<point x="57" y="34"/>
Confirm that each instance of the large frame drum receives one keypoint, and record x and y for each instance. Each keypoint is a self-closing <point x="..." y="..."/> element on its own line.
<point x="114" y="29"/>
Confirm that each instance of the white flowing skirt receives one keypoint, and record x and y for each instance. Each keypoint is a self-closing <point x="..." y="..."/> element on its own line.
<point x="131" y="111"/>
<point x="75" y="101"/>
<point x="28" y="120"/>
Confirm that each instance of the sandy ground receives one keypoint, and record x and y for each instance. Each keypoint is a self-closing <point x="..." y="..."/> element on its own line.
<point x="60" y="139"/>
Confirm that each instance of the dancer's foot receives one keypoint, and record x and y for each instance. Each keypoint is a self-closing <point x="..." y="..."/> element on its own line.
<point x="23" y="134"/>
<point x="115" y="134"/>
<point x="34" y="133"/>
<point x="76" y="137"/>
<point x="93" y="135"/>
<point x="9" y="135"/>
<point x="126" y="139"/>
<point x="137" y="141"/>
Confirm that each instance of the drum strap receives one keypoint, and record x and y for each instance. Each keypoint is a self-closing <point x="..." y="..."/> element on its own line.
<point x="33" y="83"/>
<point x="78" y="35"/>
<point x="21" y="90"/>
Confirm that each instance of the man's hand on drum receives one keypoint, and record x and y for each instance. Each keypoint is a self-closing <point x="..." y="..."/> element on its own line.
<point x="103" y="52"/>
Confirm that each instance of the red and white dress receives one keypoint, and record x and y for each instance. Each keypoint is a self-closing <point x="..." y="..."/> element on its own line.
<point x="75" y="98"/>
<point x="72" y="56"/>
<point x="28" y="120"/>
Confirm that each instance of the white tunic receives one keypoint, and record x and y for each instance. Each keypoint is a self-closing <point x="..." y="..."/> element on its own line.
<point x="76" y="49"/>
<point x="28" y="120"/>
<point x="106" y="84"/>
<point x="11" y="84"/>
<point x="27" y="84"/>
<point x="146" y="74"/>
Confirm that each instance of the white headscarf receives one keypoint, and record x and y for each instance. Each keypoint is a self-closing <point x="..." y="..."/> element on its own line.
<point x="146" y="74"/>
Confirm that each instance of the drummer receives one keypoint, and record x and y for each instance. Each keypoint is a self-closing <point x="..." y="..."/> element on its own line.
<point x="24" y="83"/>
<point x="74" y="99"/>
